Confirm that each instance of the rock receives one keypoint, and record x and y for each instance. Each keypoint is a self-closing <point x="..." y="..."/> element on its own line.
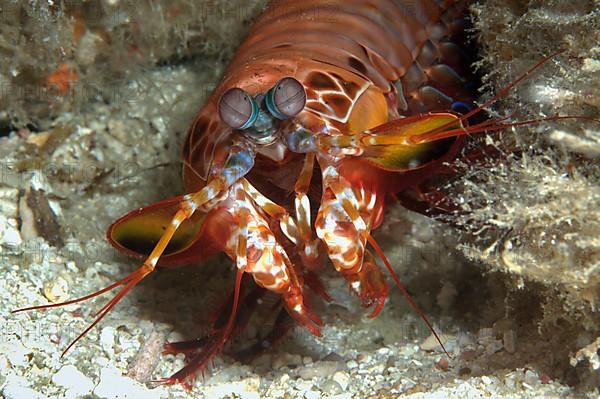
<point x="318" y="369"/>
<point x="287" y="360"/>
<point x="312" y="395"/>
<point x="351" y="364"/>
<point x="107" y="340"/>
<point x="331" y="387"/>
<point x="342" y="396"/>
<point x="76" y="383"/>
<point x="88" y="48"/>
<point x="15" y="389"/>
<point x="16" y="353"/>
<point x="114" y="386"/>
<point x="493" y="347"/>
<point x="56" y="290"/>
<point x="343" y="379"/>
<point x="244" y="389"/>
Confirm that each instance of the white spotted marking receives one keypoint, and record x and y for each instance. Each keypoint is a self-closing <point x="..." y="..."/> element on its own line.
<point x="154" y="261"/>
<point x="413" y="164"/>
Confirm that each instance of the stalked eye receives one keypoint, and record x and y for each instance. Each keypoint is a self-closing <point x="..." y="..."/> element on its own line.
<point x="237" y="109"/>
<point x="286" y="99"/>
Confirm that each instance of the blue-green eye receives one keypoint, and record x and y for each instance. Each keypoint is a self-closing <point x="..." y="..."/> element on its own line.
<point x="237" y="109"/>
<point x="286" y="99"/>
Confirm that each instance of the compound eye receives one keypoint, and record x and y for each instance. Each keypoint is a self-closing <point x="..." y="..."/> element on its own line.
<point x="286" y="99"/>
<point x="237" y="109"/>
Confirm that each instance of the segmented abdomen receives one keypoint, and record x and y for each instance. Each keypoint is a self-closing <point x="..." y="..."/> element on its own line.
<point x="338" y="48"/>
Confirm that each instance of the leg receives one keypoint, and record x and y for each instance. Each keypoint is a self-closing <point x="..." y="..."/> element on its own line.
<point x="297" y="230"/>
<point x="218" y="339"/>
<point x="268" y="262"/>
<point x="342" y="227"/>
<point x="369" y="284"/>
<point x="213" y="347"/>
<point x="246" y="310"/>
<point x="282" y="325"/>
<point x="308" y="244"/>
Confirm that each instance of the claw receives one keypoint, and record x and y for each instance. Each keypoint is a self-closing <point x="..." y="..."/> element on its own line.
<point x="378" y="306"/>
<point x="369" y="285"/>
<point x="312" y="281"/>
<point x="175" y="348"/>
<point x="172" y="381"/>
<point x="299" y="311"/>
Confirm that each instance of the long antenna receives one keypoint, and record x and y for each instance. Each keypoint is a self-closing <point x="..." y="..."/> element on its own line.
<point x="410" y="299"/>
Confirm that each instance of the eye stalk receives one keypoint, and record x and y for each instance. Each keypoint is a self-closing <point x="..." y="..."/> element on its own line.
<point x="237" y="109"/>
<point x="258" y="117"/>
<point x="286" y="99"/>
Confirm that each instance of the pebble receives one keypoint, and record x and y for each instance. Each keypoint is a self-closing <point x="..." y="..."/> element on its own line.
<point x="493" y="347"/>
<point x="466" y="342"/>
<point x="114" y="386"/>
<point x="88" y="48"/>
<point x="56" y="290"/>
<point x="9" y="197"/>
<point x="287" y="360"/>
<point x="107" y="340"/>
<point x="334" y="357"/>
<point x="351" y="364"/>
<point x="377" y="369"/>
<point x="76" y="383"/>
<point x="312" y="395"/>
<point x="342" y="379"/>
<point x="284" y="379"/>
<point x="13" y="390"/>
<point x="408" y="351"/>
<point x="510" y="380"/>
<point x="9" y="233"/>
<point x="468" y="355"/>
<point x="341" y="396"/>
<point x="486" y="380"/>
<point x="263" y="361"/>
<point x="384" y="351"/>
<point x="442" y="364"/>
<point x="226" y="374"/>
<point x="16" y="353"/>
<point x="319" y="369"/>
<point x="531" y="377"/>
<point x="245" y="389"/>
<point x="331" y="387"/>
<point x="431" y="343"/>
<point x="303" y="386"/>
